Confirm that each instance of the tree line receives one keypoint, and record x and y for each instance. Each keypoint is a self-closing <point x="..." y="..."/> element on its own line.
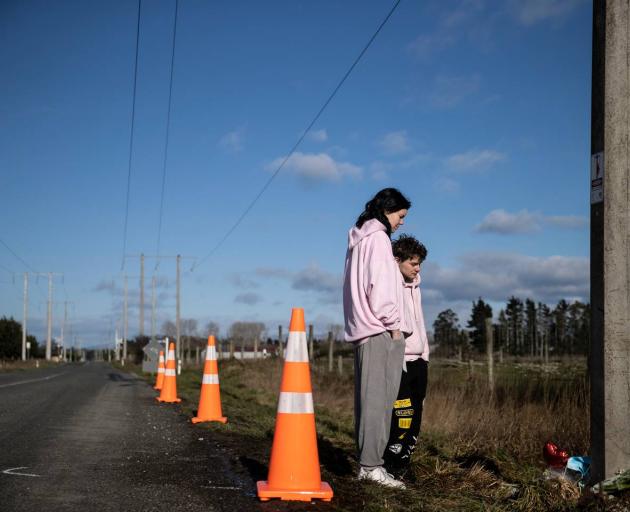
<point x="521" y="328"/>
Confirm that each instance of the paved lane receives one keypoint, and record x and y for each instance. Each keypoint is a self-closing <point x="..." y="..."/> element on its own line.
<point x="96" y="439"/>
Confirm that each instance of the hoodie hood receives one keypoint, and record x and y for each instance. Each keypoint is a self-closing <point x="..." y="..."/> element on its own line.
<point x="413" y="284"/>
<point x="355" y="235"/>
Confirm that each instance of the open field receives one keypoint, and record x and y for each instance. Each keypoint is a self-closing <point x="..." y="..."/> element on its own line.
<point x="478" y="451"/>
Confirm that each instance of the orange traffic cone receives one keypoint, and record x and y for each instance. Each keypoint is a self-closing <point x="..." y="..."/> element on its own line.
<point x="159" y="381"/>
<point x="294" y="467"/>
<point x="210" y="398"/>
<point x="169" y="387"/>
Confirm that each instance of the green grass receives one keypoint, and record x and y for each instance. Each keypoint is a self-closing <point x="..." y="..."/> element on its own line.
<point x="478" y="450"/>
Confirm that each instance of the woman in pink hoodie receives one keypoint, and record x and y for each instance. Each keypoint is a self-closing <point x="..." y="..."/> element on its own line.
<point x="374" y="321"/>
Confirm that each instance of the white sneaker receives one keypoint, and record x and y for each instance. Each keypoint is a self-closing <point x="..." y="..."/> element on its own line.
<point x="379" y="475"/>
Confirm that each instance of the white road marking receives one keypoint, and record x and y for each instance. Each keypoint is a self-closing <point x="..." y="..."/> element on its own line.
<point x="221" y="487"/>
<point x="31" y="380"/>
<point x="11" y="471"/>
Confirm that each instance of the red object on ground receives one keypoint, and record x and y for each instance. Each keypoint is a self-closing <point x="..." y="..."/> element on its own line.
<point x="554" y="456"/>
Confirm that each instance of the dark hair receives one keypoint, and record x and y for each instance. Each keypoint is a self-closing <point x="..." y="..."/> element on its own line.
<point x="385" y="201"/>
<point x="406" y="247"/>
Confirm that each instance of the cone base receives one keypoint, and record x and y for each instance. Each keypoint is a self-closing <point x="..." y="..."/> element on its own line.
<point x="221" y="419"/>
<point x="176" y="400"/>
<point x="324" y="493"/>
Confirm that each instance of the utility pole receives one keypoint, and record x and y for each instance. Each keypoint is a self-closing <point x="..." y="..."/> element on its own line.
<point x="153" y="309"/>
<point x="142" y="294"/>
<point x="177" y="319"/>
<point x="49" y="330"/>
<point x="125" y="324"/>
<point x="609" y="363"/>
<point x="24" y="316"/>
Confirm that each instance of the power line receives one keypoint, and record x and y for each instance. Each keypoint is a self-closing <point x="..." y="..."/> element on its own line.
<point x="133" y="118"/>
<point x="16" y="255"/>
<point x="299" y="141"/>
<point x="168" y="125"/>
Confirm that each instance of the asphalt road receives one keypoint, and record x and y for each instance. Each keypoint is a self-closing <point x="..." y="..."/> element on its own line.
<point x="87" y="437"/>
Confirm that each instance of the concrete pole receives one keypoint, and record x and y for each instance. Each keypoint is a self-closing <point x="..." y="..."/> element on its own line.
<point x="125" y="324"/>
<point x="153" y="309"/>
<point x="63" y="330"/>
<point x="49" y="330"/>
<point x="24" y="316"/>
<point x="490" y="352"/>
<point x="340" y="365"/>
<point x="177" y="318"/>
<point x="609" y="362"/>
<point x="142" y="294"/>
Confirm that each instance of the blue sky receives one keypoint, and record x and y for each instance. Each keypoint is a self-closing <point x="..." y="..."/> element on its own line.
<point x="478" y="111"/>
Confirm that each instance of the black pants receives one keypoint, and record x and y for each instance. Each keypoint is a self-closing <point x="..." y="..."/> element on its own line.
<point x="407" y="415"/>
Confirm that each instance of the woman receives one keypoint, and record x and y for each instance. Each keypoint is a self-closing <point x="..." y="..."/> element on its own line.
<point x="372" y="296"/>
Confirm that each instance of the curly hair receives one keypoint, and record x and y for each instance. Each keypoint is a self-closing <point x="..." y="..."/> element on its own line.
<point x="406" y="247"/>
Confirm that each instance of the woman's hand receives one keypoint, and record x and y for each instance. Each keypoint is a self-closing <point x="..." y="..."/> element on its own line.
<point x="396" y="334"/>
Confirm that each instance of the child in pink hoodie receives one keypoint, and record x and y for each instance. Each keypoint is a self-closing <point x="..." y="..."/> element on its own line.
<point x="407" y="413"/>
<point x="372" y="299"/>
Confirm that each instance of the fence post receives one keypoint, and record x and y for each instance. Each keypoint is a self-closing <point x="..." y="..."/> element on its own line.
<point x="331" y="350"/>
<point x="310" y="342"/>
<point x="340" y="365"/>
<point x="490" y="352"/>
<point x="280" y="346"/>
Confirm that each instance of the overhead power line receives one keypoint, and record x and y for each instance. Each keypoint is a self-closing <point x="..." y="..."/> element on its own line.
<point x="17" y="256"/>
<point x="299" y="141"/>
<point x="168" y="125"/>
<point x="133" y="118"/>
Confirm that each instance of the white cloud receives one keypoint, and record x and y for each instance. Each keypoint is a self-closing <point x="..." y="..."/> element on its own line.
<point x="450" y="91"/>
<point x="242" y="282"/>
<point x="496" y="276"/>
<point x="317" y="167"/>
<point x="505" y="223"/>
<point x="395" y="142"/>
<point x="474" y="161"/>
<point x="326" y="285"/>
<point x="233" y="141"/>
<point x="318" y="135"/>
<point x="529" y="12"/>
<point x="567" y="221"/>
<point x="426" y="45"/>
<point x="248" y="298"/>
<point x="448" y="186"/>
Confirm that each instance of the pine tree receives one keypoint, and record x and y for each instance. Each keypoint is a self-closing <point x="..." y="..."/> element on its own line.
<point x="477" y="322"/>
<point x="530" y="326"/>
<point x="446" y="331"/>
<point x="514" y="313"/>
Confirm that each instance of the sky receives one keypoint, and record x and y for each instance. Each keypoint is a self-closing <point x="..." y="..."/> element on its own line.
<point x="477" y="110"/>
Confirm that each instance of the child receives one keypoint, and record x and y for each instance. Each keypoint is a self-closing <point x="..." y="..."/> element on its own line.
<point x="407" y="413"/>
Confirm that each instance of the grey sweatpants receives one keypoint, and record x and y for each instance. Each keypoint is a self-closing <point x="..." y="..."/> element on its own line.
<point x="378" y="366"/>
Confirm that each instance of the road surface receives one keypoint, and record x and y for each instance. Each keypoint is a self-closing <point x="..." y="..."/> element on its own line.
<point x="89" y="438"/>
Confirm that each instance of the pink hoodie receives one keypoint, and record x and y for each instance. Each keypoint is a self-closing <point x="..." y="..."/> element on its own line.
<point x="372" y="284"/>
<point x="416" y="344"/>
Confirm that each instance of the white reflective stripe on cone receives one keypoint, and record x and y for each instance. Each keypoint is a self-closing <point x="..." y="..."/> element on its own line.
<point x="171" y="355"/>
<point x="210" y="379"/>
<point x="161" y="360"/>
<point x="169" y="373"/>
<point x="295" y="403"/>
<point x="160" y="370"/>
<point x="296" y="348"/>
<point x="211" y="353"/>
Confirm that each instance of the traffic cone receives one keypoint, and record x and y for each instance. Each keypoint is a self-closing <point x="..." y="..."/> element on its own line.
<point x="210" y="398"/>
<point x="169" y="387"/>
<point x="294" y="466"/>
<point x="159" y="381"/>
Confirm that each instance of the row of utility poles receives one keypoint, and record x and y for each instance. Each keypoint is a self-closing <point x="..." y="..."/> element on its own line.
<point x="49" y="310"/>
<point x="178" y="258"/>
